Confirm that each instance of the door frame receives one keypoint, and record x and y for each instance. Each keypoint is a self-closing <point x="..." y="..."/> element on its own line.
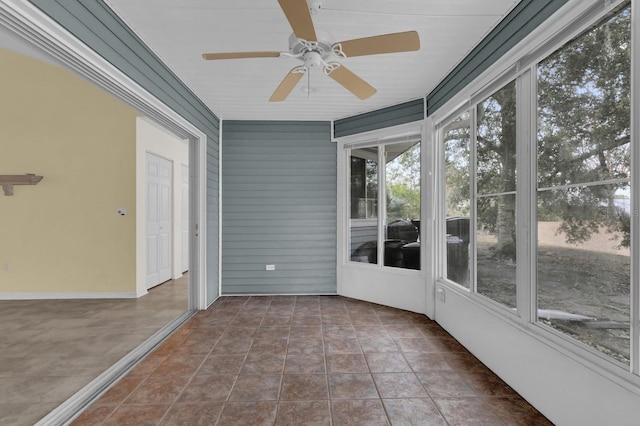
<point x="184" y="214"/>
<point x="396" y="287"/>
<point x="144" y="218"/>
<point x="44" y="35"/>
<point x="158" y="141"/>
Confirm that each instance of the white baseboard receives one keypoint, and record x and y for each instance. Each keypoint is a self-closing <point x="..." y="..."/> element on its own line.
<point x="50" y="296"/>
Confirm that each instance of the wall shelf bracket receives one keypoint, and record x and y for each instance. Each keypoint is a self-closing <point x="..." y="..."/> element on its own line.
<point x="7" y="181"/>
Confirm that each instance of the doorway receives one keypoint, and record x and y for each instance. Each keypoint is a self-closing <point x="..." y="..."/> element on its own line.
<point x="185" y="219"/>
<point x="158" y="226"/>
<point x="381" y="248"/>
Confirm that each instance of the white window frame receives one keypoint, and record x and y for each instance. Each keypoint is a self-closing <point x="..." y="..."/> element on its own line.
<point x="521" y="64"/>
<point x="379" y="139"/>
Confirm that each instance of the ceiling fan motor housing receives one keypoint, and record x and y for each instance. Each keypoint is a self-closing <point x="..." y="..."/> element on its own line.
<point x="313" y="59"/>
<point x="298" y="47"/>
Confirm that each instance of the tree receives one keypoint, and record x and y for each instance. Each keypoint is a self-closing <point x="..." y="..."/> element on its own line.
<point x="403" y="185"/>
<point x="496" y="170"/>
<point x="584" y="130"/>
<point x="583" y="139"/>
<point x="457" y="156"/>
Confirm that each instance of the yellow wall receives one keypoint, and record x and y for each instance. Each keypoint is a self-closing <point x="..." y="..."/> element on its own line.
<point x="64" y="234"/>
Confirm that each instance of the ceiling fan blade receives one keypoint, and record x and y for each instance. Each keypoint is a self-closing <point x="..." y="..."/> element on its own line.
<point x="299" y="17"/>
<point x="351" y="82"/>
<point x="387" y="43"/>
<point x="240" y="55"/>
<point x="287" y="85"/>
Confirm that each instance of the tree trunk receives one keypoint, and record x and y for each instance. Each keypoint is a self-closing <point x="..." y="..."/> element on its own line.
<point x="506" y="204"/>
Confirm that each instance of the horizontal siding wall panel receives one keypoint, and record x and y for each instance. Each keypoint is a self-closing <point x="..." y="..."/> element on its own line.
<point x="302" y="181"/>
<point x="321" y="159"/>
<point x="271" y="220"/>
<point x="239" y="150"/>
<point x="269" y="212"/>
<point x="291" y="245"/>
<point x="304" y="266"/>
<point x="379" y="119"/>
<point x="278" y="207"/>
<point x="523" y="19"/>
<point x="259" y="202"/>
<point x="275" y="284"/>
<point x="275" y="240"/>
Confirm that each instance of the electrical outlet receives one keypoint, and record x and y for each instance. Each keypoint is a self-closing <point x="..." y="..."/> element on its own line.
<point x="6" y="266"/>
<point x="270" y="267"/>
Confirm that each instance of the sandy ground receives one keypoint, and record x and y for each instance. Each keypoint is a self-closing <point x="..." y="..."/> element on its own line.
<point x="590" y="279"/>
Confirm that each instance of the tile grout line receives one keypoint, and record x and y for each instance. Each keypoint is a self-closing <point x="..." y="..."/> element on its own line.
<point x="330" y="326"/>
<point x="235" y="381"/>
<point x="190" y="379"/>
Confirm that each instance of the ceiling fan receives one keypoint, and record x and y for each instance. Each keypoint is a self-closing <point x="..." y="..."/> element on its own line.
<point x="315" y="49"/>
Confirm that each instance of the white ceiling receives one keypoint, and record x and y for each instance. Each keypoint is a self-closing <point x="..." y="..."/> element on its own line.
<point x="179" y="31"/>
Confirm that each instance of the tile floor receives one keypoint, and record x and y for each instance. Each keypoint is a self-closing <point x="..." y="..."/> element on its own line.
<point x="309" y="360"/>
<point x="50" y="349"/>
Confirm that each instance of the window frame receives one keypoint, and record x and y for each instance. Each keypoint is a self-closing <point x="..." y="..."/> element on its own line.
<point x="523" y="144"/>
<point x="521" y="64"/>
<point x="379" y="139"/>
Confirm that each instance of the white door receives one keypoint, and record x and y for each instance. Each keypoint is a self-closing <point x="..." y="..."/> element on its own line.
<point x="185" y="218"/>
<point x="159" y="177"/>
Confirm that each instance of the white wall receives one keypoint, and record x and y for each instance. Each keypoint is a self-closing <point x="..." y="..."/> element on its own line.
<point x="566" y="390"/>
<point x="150" y="138"/>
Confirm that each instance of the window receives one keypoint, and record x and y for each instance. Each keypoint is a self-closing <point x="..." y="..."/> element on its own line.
<point x="496" y="196"/>
<point x="575" y="275"/>
<point x="402" y="200"/>
<point x="483" y="260"/>
<point x="363" y="222"/>
<point x="392" y="193"/>
<point x="583" y="181"/>
<point x="457" y="151"/>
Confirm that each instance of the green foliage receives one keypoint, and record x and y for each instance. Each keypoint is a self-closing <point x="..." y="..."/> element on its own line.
<point x="584" y="129"/>
<point x="403" y="185"/>
<point x="583" y="138"/>
<point x="403" y="202"/>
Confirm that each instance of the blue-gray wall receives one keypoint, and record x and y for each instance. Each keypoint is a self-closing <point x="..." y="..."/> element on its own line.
<point x="379" y="119"/>
<point x="278" y="207"/>
<point x="522" y="19"/>
<point x="95" y="24"/>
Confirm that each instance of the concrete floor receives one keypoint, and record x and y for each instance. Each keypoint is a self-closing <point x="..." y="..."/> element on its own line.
<point x="50" y="349"/>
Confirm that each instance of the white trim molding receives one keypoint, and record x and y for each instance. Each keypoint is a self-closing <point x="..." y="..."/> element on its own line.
<point x="64" y="296"/>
